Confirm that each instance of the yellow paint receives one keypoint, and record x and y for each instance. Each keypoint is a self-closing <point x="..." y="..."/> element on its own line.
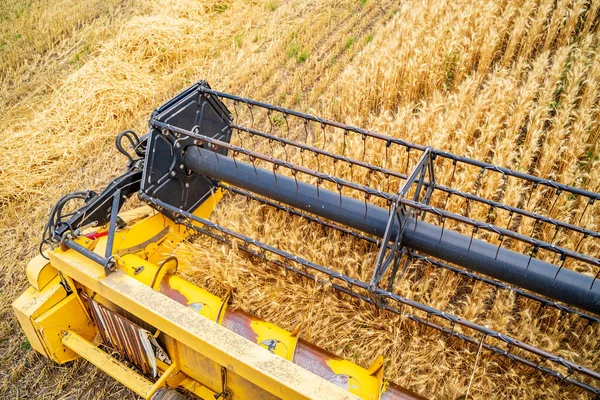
<point x="40" y="272"/>
<point x="162" y="380"/>
<point x="137" y="214"/>
<point x="275" y="339"/>
<point x="198" y="389"/>
<point x="209" y="205"/>
<point x="132" y="239"/>
<point x="184" y="292"/>
<point x="195" y="298"/>
<point x="152" y="236"/>
<point x="167" y="267"/>
<point x="376" y="369"/>
<point x="64" y="316"/>
<point x="128" y="377"/>
<point x="58" y="326"/>
<point x="361" y="382"/>
<point x="139" y="268"/>
<point x="253" y="372"/>
<point x="32" y="303"/>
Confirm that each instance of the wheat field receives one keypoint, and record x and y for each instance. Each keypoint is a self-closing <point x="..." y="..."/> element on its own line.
<point x="515" y="83"/>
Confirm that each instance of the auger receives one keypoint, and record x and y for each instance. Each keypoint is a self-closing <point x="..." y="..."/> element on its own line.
<point x="109" y="284"/>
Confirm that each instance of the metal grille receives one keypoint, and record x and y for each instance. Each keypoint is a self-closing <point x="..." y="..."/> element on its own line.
<point x="424" y="184"/>
<point x="124" y="337"/>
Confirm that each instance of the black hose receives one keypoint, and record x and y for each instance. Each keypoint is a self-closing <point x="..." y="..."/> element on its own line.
<point x="55" y="218"/>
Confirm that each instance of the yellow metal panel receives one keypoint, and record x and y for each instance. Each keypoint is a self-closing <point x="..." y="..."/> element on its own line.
<point x="30" y="332"/>
<point x="106" y="363"/>
<point x="33" y="303"/>
<point x="40" y="272"/>
<point x="206" y="371"/>
<point x="253" y="363"/>
<point x="360" y="381"/>
<point x="199" y="390"/>
<point x="139" y="238"/>
<point x="66" y="315"/>
<point x="137" y="213"/>
<point x="209" y="205"/>
<point x="178" y="289"/>
<point x="30" y="304"/>
<point x="162" y="380"/>
<point x="274" y="338"/>
<point x="191" y="296"/>
<point x="376" y="369"/>
<point x="140" y="269"/>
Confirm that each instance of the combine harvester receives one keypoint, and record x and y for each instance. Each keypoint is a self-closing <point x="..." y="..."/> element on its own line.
<point x="107" y="289"/>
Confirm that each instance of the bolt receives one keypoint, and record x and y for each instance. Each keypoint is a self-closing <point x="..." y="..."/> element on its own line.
<point x="173" y="173"/>
<point x="181" y="166"/>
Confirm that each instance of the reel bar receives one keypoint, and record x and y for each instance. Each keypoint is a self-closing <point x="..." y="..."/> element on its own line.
<point x="388" y="172"/>
<point x="415" y="256"/>
<point x="547" y="279"/>
<point x="404" y="143"/>
<point x="543" y="301"/>
<point x="348" y="285"/>
<point x="295" y="212"/>
<point x="369" y="192"/>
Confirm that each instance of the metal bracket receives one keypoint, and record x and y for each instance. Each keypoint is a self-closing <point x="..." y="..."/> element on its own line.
<point x="165" y="176"/>
<point x="110" y="266"/>
<point x="112" y="227"/>
<point x="97" y="210"/>
<point x="391" y="255"/>
<point x="225" y="393"/>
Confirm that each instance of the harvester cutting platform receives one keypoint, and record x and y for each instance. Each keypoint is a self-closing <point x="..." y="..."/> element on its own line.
<point x="105" y="286"/>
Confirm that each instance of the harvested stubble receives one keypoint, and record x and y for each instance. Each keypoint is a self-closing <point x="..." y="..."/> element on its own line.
<point x="514" y="83"/>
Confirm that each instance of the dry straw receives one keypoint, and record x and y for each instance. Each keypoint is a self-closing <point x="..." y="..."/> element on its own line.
<point x="514" y="83"/>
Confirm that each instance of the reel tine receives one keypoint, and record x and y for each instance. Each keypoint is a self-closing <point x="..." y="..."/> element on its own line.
<point x="484" y="192"/>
